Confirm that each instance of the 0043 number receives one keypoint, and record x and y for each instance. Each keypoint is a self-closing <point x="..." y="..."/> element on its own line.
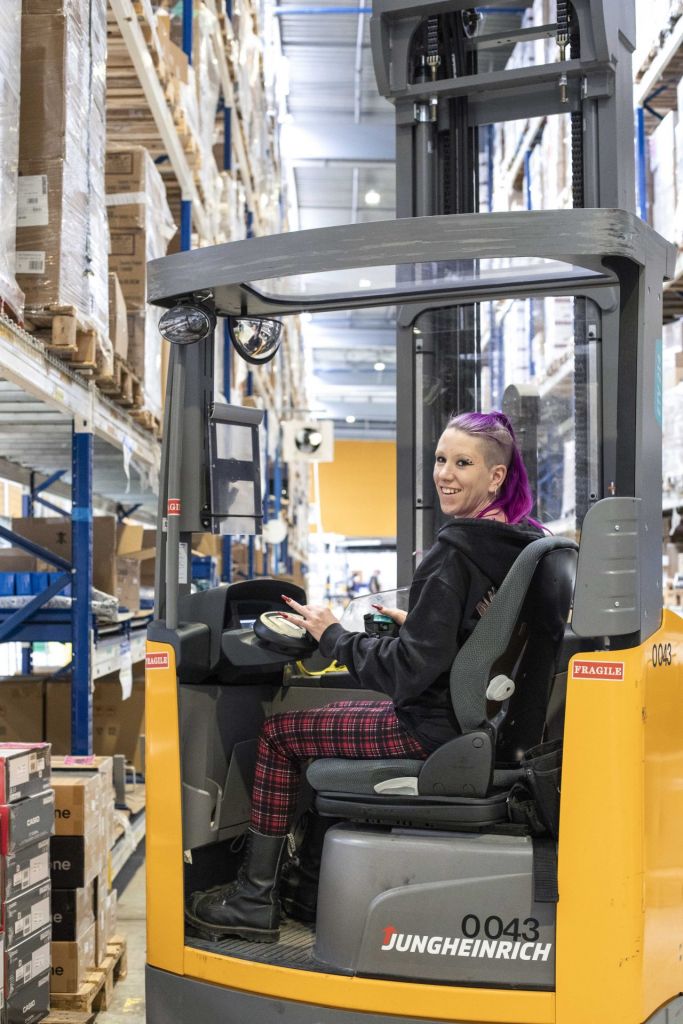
<point x="494" y="927"/>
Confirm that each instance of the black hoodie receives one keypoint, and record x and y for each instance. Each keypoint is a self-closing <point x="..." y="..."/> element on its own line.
<point x="468" y="562"/>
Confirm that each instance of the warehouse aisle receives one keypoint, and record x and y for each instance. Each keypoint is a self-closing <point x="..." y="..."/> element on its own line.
<point x="129" y="995"/>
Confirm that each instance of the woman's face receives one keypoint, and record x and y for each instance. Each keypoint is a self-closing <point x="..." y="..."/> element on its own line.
<point x="464" y="482"/>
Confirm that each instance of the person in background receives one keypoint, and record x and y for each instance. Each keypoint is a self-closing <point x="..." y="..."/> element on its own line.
<point x="375" y="584"/>
<point x="483" y="489"/>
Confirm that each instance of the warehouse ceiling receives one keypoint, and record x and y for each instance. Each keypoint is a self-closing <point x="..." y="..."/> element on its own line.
<point x="339" y="143"/>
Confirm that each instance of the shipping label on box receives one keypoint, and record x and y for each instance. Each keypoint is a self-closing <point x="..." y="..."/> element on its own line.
<point x="102" y="767"/>
<point x="29" y="1004"/>
<point x="75" y="860"/>
<point x="26" y="821"/>
<point x="27" y="868"/>
<point x="27" y="913"/>
<point x="73" y="912"/>
<point x="24" y="770"/>
<point x="77" y="802"/>
<point x="71" y="961"/>
<point x="27" y="960"/>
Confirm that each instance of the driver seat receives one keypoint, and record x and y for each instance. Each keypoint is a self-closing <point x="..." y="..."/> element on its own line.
<point x="462" y="784"/>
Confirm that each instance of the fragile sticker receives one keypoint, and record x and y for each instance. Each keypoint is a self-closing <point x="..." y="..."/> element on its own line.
<point x="157" y="660"/>
<point x="173" y="507"/>
<point x="598" y="670"/>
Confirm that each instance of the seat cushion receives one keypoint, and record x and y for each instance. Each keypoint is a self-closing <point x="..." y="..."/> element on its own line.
<point x="345" y="775"/>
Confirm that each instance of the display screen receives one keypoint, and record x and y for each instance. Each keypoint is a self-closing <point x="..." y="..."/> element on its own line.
<point x="235" y="471"/>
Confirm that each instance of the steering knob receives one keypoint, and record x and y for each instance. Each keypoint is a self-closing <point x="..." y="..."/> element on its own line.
<point x="284" y="635"/>
<point x="500" y="688"/>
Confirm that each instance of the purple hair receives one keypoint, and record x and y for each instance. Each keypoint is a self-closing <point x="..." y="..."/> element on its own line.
<point x="515" y="500"/>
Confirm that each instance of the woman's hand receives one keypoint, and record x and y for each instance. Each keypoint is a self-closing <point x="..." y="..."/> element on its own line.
<point x="316" y="618"/>
<point x="395" y="614"/>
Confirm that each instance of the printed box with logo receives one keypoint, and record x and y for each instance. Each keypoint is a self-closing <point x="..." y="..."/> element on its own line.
<point x="71" y="961"/>
<point x="26" y="868"/>
<point x="75" y="860"/>
<point x="73" y="912"/>
<point x="77" y="802"/>
<point x="26" y="821"/>
<point x="26" y="914"/>
<point x="29" y="1004"/>
<point x="27" y="960"/>
<point x="24" y="770"/>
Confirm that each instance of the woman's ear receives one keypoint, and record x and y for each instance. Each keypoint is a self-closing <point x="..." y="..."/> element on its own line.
<point x="498" y="474"/>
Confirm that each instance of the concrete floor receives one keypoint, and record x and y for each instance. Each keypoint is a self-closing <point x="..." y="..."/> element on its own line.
<point x="128" y="1005"/>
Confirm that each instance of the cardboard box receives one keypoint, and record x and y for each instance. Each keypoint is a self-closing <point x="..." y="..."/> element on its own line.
<point x="128" y="258"/>
<point x="76" y="860"/>
<point x="24" y="770"/>
<point x="101" y="916"/>
<point x="73" y="911"/>
<point x="27" y="960"/>
<point x="27" y="913"/>
<point x="71" y="961"/>
<point x="21" y="709"/>
<point x="92" y="764"/>
<point x="26" y="868"/>
<point x="31" y="1003"/>
<point x="117" y="723"/>
<point x="118" y="318"/>
<point x="77" y="802"/>
<point x="27" y="821"/>
<point x="110" y="541"/>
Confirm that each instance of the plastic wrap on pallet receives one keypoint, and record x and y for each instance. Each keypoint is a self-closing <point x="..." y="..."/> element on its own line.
<point x="62" y="238"/>
<point x="10" y="82"/>
<point x="141" y="227"/>
<point x="208" y="84"/>
<point x="662" y="150"/>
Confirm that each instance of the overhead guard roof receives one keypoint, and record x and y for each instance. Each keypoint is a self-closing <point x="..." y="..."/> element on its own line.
<point x="265" y="276"/>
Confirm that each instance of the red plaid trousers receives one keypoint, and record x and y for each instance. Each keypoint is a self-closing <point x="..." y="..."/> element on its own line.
<point x="348" y="728"/>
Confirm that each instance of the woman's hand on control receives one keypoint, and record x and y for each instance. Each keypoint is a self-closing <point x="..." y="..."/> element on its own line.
<point x="395" y="614"/>
<point x="316" y="618"/>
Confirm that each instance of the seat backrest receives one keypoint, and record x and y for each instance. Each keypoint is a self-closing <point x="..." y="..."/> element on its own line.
<point x="519" y="636"/>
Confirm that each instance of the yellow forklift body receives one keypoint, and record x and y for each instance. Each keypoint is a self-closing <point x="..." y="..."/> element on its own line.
<point x="620" y="923"/>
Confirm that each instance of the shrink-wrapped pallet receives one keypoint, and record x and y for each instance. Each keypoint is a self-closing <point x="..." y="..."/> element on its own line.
<point x="10" y="43"/>
<point x="62" y="238"/>
<point x="141" y="226"/>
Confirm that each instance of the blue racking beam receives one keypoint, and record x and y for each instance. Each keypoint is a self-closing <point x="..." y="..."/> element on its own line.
<point x="82" y="554"/>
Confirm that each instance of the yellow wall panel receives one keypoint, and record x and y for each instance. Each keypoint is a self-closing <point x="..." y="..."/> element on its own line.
<point x="358" y="489"/>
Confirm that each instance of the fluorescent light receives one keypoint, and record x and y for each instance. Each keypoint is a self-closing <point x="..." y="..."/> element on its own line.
<point x="307" y="317"/>
<point x="372" y="197"/>
<point x="350" y="419"/>
<point x="365" y="283"/>
<point x="379" y="366"/>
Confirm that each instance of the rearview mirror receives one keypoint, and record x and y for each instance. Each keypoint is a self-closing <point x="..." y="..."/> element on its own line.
<point x="255" y="339"/>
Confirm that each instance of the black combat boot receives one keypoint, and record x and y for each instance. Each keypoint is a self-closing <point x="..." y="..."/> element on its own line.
<point x="247" y="908"/>
<point x="299" y="886"/>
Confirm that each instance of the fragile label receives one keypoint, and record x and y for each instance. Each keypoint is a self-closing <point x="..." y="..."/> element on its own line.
<point x="598" y="670"/>
<point x="30" y="263"/>
<point x="32" y="209"/>
<point x="173" y="507"/>
<point x="157" y="660"/>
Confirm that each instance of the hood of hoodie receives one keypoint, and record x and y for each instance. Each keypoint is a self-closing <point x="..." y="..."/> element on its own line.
<point x="492" y="546"/>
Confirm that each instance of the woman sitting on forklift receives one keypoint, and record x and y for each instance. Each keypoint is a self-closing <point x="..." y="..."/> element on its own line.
<point x="483" y="488"/>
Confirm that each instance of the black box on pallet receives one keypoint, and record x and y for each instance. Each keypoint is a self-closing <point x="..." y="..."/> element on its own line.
<point x="28" y="960"/>
<point x="75" y="860"/>
<point x="73" y="911"/>
<point x="26" y="868"/>
<point x="27" y="913"/>
<point x="26" y="821"/>
<point x="30" y="1003"/>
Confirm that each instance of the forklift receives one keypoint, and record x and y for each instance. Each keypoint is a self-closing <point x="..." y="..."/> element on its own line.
<point x="437" y="903"/>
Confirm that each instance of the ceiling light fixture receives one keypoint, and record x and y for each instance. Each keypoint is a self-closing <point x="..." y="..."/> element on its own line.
<point x="350" y="419"/>
<point x="372" y="197"/>
<point x="365" y="283"/>
<point x="379" y="366"/>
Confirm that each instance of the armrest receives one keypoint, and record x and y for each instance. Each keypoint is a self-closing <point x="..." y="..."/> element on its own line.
<point x="461" y="767"/>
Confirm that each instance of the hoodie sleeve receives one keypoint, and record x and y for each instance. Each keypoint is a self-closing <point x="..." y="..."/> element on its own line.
<point x="406" y="665"/>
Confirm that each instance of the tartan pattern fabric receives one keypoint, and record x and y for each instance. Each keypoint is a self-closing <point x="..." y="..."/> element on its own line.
<point x="348" y="728"/>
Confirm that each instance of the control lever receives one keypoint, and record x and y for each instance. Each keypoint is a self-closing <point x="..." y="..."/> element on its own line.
<point x="500" y="689"/>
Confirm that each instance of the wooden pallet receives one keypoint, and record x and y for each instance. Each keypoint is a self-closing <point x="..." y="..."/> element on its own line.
<point x="145" y="419"/>
<point x="97" y="990"/>
<point x="69" y="1017"/>
<point x="66" y="336"/>
<point x="122" y="386"/>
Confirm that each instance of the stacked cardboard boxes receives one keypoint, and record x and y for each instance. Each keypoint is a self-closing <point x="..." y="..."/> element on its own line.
<point x="62" y="240"/>
<point x="10" y="46"/>
<point x="141" y="227"/>
<point x="26" y="822"/>
<point x="81" y="898"/>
